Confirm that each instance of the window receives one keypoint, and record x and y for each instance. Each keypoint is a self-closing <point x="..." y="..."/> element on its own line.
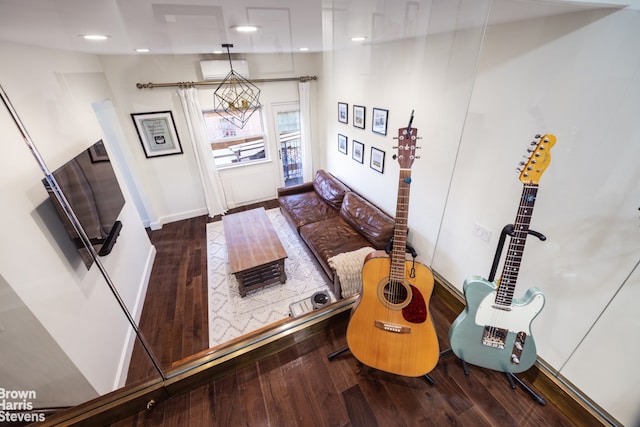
<point x="232" y="145"/>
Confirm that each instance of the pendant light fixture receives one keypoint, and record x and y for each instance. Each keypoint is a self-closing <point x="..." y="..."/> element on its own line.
<point x="236" y="96"/>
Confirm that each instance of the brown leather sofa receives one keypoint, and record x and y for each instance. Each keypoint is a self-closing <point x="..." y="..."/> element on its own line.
<point x="333" y="219"/>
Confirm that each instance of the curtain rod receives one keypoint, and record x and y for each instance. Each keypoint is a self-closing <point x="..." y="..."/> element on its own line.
<point x="218" y="82"/>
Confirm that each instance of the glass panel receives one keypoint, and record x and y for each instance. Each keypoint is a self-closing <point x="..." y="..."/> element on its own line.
<point x="587" y="204"/>
<point x="73" y="304"/>
<point x="63" y="336"/>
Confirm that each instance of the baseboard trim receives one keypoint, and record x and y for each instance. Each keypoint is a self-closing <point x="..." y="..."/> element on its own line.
<point x="196" y="372"/>
<point x="555" y="388"/>
<point x="130" y="339"/>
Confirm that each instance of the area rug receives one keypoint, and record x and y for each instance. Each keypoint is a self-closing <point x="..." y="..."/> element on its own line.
<point x="231" y="315"/>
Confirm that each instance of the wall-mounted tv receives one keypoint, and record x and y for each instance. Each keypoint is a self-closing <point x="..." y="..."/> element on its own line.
<point x="91" y="190"/>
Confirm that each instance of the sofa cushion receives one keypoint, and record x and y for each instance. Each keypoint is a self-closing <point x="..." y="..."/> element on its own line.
<point x="304" y="208"/>
<point x="331" y="237"/>
<point x="375" y="225"/>
<point x="329" y="188"/>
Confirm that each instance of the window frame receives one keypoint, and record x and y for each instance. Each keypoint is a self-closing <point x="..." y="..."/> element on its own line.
<point x="238" y="140"/>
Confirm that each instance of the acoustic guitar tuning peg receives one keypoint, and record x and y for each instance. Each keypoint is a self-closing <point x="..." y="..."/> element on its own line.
<point x="534" y="142"/>
<point x="395" y="148"/>
<point x="537" y="136"/>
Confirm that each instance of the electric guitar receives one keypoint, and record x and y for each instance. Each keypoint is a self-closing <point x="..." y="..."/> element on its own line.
<point x="494" y="330"/>
<point x="390" y="327"/>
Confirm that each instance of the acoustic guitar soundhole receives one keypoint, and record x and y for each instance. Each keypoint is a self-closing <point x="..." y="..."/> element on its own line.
<point x="395" y="293"/>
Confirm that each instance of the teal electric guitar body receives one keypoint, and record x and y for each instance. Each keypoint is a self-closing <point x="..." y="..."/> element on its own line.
<point x="494" y="330"/>
<point x="491" y="337"/>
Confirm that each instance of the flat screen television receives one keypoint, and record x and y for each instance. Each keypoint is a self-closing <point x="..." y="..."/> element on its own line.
<point x="91" y="190"/>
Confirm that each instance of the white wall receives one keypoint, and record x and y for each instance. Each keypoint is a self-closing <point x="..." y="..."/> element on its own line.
<point x="170" y="185"/>
<point x="574" y="75"/>
<point x="53" y="92"/>
<point x="588" y="200"/>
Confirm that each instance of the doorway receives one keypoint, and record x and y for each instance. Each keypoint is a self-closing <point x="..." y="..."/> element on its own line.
<point x="287" y="123"/>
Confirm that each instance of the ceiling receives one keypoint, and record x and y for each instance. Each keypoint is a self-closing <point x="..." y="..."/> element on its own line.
<point x="202" y="26"/>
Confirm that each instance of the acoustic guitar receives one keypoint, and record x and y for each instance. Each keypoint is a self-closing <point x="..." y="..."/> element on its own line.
<point x="390" y="327"/>
<point x="494" y="330"/>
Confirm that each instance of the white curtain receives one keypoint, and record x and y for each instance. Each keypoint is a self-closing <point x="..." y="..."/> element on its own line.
<point x="213" y="191"/>
<point x="305" y="132"/>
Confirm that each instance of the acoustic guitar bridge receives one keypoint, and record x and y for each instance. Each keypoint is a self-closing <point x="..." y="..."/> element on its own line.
<point x="392" y="327"/>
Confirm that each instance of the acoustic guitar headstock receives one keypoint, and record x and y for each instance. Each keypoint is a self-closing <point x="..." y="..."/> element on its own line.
<point x="407" y="139"/>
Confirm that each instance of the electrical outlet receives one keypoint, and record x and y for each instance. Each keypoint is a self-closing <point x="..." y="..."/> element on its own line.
<point x="481" y="232"/>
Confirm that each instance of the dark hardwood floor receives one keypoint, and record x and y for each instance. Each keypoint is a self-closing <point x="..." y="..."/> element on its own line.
<point x="174" y="320"/>
<point x="300" y="386"/>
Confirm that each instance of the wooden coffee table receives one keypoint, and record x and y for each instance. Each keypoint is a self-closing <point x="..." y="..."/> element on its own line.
<point x="256" y="256"/>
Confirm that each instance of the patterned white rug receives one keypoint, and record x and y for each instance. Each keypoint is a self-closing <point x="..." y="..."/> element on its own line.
<point x="230" y="315"/>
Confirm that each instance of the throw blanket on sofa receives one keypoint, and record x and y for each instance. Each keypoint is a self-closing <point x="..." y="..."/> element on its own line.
<point x="348" y="267"/>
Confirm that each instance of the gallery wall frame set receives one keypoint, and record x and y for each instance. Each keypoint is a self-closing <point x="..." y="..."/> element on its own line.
<point x="379" y="120"/>
<point x="157" y="133"/>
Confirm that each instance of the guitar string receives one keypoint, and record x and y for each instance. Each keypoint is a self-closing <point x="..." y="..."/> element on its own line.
<point x="398" y="264"/>
<point x="397" y="271"/>
<point x="513" y="259"/>
<point x="398" y="260"/>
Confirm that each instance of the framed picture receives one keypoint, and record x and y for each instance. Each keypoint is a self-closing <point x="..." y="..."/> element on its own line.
<point x="377" y="160"/>
<point x="343" y="112"/>
<point x="157" y="133"/>
<point x="357" y="153"/>
<point x="342" y="143"/>
<point x="358" y="116"/>
<point x="379" y="122"/>
<point x="98" y="153"/>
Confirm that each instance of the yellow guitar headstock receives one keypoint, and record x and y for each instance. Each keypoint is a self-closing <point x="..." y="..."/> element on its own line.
<point x="534" y="167"/>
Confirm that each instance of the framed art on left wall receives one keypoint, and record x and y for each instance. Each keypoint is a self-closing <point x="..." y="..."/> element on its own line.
<point x="157" y="133"/>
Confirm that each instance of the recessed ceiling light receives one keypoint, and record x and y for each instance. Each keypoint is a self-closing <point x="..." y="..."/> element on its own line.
<point x="245" y="28"/>
<point x="358" y="39"/>
<point x="94" y="36"/>
<point x="217" y="52"/>
<point x="304" y="49"/>
<point x="142" y="50"/>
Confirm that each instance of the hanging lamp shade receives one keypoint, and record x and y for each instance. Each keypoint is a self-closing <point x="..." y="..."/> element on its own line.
<point x="236" y="96"/>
